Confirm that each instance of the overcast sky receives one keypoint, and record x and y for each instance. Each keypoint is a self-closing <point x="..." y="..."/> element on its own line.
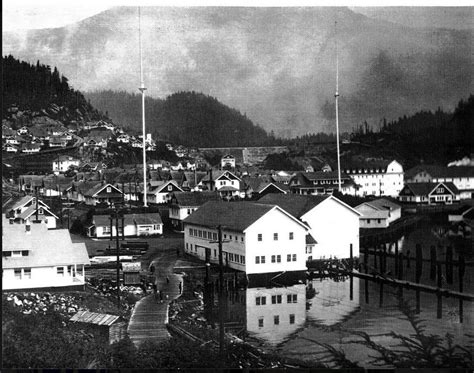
<point x="34" y="14"/>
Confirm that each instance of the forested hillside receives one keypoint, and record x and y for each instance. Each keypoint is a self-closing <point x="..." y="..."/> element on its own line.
<point x="187" y="118"/>
<point x="36" y="88"/>
<point x="431" y="137"/>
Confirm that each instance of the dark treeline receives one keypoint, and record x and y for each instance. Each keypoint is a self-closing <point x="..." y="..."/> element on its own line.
<point x="36" y="86"/>
<point x="431" y="137"/>
<point x="187" y="118"/>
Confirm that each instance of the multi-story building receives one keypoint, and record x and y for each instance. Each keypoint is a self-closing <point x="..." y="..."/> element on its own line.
<point x="379" y="213"/>
<point x="259" y="238"/>
<point x="321" y="183"/>
<point x="376" y="178"/>
<point x="63" y="162"/>
<point x="333" y="224"/>
<point x="34" y="257"/>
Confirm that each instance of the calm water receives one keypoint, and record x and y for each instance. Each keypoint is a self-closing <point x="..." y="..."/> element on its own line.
<point x="294" y="319"/>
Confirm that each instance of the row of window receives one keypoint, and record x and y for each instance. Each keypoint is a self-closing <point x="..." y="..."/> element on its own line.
<point x="70" y="270"/>
<point x="231" y="257"/>
<point x="276" y="320"/>
<point x="275" y="236"/>
<point x="213" y="235"/>
<point x="260" y="259"/>
<point x="15" y="253"/>
<point x="22" y="273"/>
<point x="276" y="299"/>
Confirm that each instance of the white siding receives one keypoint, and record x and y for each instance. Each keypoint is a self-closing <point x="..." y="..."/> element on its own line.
<point x="335" y="227"/>
<point x="43" y="277"/>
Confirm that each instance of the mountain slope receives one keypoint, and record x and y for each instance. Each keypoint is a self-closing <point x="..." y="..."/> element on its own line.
<point x="277" y="65"/>
<point x="187" y="118"/>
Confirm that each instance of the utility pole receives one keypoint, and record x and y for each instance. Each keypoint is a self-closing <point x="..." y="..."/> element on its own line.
<point x="142" y="89"/>
<point x="115" y="215"/>
<point x="337" y="115"/>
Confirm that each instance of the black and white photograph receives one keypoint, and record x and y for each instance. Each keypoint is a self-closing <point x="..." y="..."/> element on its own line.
<point x="237" y="185"/>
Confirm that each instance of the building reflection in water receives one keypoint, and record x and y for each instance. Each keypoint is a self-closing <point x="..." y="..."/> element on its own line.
<point x="274" y="314"/>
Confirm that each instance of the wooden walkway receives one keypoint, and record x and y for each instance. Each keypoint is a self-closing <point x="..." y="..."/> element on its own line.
<point x="150" y="316"/>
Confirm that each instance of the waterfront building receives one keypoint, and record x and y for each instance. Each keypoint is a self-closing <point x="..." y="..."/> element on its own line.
<point x="461" y="176"/>
<point x="379" y="213"/>
<point x="429" y="193"/>
<point x="258" y="238"/>
<point x="321" y="183"/>
<point x="333" y="224"/>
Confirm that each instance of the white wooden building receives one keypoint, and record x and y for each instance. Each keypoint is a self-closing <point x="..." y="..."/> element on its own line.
<point x="136" y="225"/>
<point x="379" y="213"/>
<point x="160" y="192"/>
<point x="376" y="178"/>
<point x="333" y="224"/>
<point x="260" y="238"/>
<point x="63" y="162"/>
<point x="29" y="208"/>
<point x="34" y="257"/>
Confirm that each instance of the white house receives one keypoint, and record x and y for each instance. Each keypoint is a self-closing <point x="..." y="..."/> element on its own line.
<point x="225" y="182"/>
<point x="136" y="225"/>
<point x="333" y="224"/>
<point x="429" y="193"/>
<point x="228" y="160"/>
<point x="184" y="204"/>
<point x="376" y="178"/>
<point x="160" y="191"/>
<point x="63" y="162"/>
<point x="273" y="314"/>
<point x="379" y="213"/>
<point x="34" y="257"/>
<point x="461" y="176"/>
<point x="29" y="208"/>
<point x="320" y="183"/>
<point x="103" y="193"/>
<point x="258" y="238"/>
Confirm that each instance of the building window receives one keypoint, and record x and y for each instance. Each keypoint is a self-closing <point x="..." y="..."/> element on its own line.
<point x="288" y="258"/>
<point x="276" y="299"/>
<point x="170" y="188"/>
<point x="257" y="260"/>
<point x="214" y="236"/>
<point x="106" y="229"/>
<point x="236" y="238"/>
<point x="230" y="237"/>
<point x="275" y="236"/>
<point x="276" y="319"/>
<point x="273" y="258"/>
<point x="27" y="272"/>
<point x="200" y="233"/>
<point x="260" y="322"/>
<point x="260" y="301"/>
<point x="309" y="250"/>
<point x="292" y="298"/>
<point x="187" y="246"/>
<point x="60" y="271"/>
<point x="291" y="235"/>
<point x="259" y="237"/>
<point x="189" y="211"/>
<point x="294" y="257"/>
<point x="17" y="273"/>
<point x="278" y="258"/>
<point x="262" y="259"/>
<point x="16" y="254"/>
<point x="242" y="239"/>
<point x="242" y="259"/>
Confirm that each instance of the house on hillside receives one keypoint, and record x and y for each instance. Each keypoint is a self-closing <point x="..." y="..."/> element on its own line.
<point x="30" y="148"/>
<point x="57" y="142"/>
<point x="62" y="163"/>
<point x="34" y="257"/>
<point x="256" y="187"/>
<point x="10" y="148"/>
<point x="225" y="182"/>
<point x="258" y="238"/>
<point x="103" y="193"/>
<point x="184" y="204"/>
<point x="160" y="191"/>
<point x="136" y="225"/>
<point x="376" y="177"/>
<point x="30" y="209"/>
<point x="321" y="183"/>
<point x="228" y="161"/>
<point x="379" y="213"/>
<point x="429" y="193"/>
<point x="77" y="190"/>
<point x="333" y="224"/>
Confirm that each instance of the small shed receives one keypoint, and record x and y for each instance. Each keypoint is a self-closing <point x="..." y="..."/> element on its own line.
<point x="111" y="325"/>
<point x="131" y="273"/>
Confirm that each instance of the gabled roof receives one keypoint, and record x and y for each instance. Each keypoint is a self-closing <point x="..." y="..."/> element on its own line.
<point x="193" y="199"/>
<point x="98" y="188"/>
<point x="237" y="216"/>
<point x="218" y="174"/>
<point x="382" y="204"/>
<point x="298" y="205"/>
<point x="32" y="210"/>
<point x="158" y="185"/>
<point x="46" y="247"/>
<point x="424" y="189"/>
